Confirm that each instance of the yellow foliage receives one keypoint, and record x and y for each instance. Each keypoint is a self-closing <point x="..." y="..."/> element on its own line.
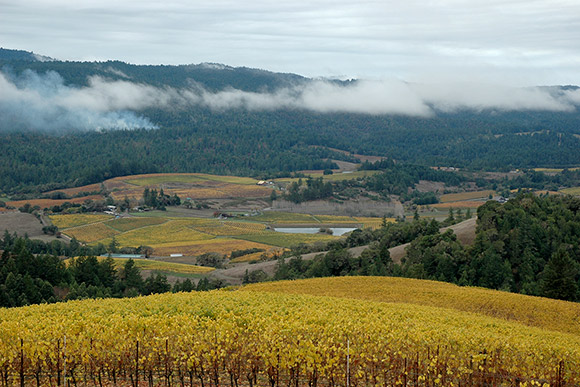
<point x="221" y="335"/>
<point x="539" y="312"/>
<point x="218" y="245"/>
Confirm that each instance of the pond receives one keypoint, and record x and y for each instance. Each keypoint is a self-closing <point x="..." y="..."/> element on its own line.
<point x="337" y="231"/>
<point x="125" y="256"/>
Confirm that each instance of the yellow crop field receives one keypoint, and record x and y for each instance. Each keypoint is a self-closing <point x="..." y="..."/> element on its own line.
<point x="538" y="312"/>
<point x="168" y="232"/>
<point x="159" y="265"/>
<point x="127" y="224"/>
<point x="463" y="196"/>
<point x="554" y="170"/>
<point x="228" y="337"/>
<point x="150" y="264"/>
<point x="287" y="240"/>
<point x="92" y="233"/>
<point x="218" y="245"/>
<point x="571" y="191"/>
<point x="75" y="220"/>
<point x="228" y="228"/>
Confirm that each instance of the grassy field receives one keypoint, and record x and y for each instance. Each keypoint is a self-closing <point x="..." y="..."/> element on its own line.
<point x="463" y="196"/>
<point x="128" y="224"/>
<point x="287" y="240"/>
<point x="284" y="217"/>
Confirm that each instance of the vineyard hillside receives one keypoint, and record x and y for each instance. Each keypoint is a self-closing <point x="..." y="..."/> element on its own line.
<point x="273" y="338"/>
<point x="539" y="312"/>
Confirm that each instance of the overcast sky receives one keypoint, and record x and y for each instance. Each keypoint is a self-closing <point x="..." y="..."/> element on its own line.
<point x="519" y="42"/>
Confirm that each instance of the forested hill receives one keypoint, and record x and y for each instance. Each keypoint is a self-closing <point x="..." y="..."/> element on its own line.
<point x="211" y="76"/>
<point x="19" y="55"/>
<point x="74" y="123"/>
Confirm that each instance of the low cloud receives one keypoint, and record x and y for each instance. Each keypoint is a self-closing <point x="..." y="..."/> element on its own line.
<point x="34" y="101"/>
<point x="43" y="102"/>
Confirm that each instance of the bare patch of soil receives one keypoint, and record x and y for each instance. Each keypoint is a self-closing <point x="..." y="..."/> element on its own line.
<point x="430" y="186"/>
<point x="22" y="224"/>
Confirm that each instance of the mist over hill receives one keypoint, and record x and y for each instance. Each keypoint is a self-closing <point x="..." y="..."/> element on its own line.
<point x="67" y="123"/>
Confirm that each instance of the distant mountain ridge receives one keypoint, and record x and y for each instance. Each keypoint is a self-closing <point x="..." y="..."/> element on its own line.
<point x="211" y="76"/>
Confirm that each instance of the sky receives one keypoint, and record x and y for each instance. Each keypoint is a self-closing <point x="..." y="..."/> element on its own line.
<point x="507" y="42"/>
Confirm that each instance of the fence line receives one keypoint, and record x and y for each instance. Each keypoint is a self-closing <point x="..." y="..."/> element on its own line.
<point x="167" y="369"/>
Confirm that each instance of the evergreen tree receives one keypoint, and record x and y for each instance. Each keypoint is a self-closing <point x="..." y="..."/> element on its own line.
<point x="559" y="277"/>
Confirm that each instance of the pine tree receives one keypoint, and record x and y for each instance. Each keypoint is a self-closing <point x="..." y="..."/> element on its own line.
<point x="559" y="277"/>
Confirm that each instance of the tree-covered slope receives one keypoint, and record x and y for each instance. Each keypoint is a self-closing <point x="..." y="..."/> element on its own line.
<point x="193" y="126"/>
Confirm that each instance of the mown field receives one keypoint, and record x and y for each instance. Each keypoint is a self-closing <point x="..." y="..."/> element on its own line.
<point x="269" y="338"/>
<point x="464" y="196"/>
